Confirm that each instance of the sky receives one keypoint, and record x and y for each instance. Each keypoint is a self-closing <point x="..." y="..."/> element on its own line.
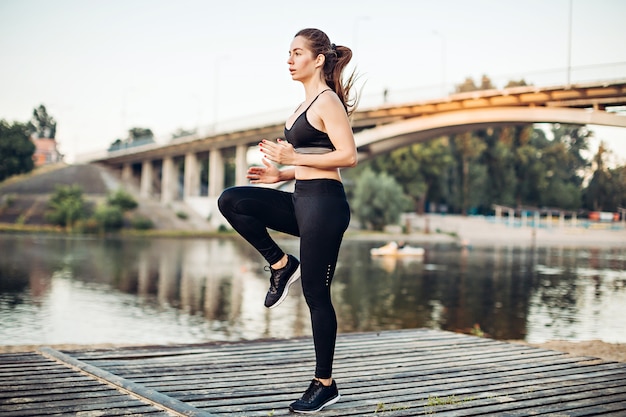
<point x="103" y="67"/>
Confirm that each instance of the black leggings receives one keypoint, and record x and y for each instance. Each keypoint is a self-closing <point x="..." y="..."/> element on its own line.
<point x="318" y="212"/>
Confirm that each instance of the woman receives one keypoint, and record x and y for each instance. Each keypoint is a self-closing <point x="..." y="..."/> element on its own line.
<point x="318" y="142"/>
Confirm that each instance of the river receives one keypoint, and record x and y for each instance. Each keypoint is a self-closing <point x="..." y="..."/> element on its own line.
<point x="127" y="290"/>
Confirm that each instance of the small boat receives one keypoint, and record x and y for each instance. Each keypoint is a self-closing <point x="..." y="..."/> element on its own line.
<point x="393" y="249"/>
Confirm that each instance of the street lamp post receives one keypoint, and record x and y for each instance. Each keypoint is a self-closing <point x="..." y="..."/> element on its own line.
<point x="216" y="91"/>
<point x="569" y="44"/>
<point x="355" y="34"/>
<point x="443" y="61"/>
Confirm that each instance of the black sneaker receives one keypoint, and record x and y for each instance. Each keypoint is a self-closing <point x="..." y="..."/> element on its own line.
<point x="316" y="397"/>
<point x="281" y="280"/>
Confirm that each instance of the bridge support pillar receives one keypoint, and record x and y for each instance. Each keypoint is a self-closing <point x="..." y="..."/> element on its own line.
<point x="147" y="173"/>
<point x="192" y="175"/>
<point x="216" y="173"/>
<point x="127" y="173"/>
<point x="241" y="165"/>
<point x="168" y="181"/>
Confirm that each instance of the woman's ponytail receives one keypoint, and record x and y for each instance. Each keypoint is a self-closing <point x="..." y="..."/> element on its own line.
<point x="337" y="58"/>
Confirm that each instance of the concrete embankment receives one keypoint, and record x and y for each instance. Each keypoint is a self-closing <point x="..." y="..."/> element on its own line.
<point x="488" y="231"/>
<point x="30" y="193"/>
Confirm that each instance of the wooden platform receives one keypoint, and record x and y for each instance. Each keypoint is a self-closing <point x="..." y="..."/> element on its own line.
<point x="392" y="373"/>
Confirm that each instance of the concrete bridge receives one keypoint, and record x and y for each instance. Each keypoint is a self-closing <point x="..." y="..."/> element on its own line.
<point x="195" y="169"/>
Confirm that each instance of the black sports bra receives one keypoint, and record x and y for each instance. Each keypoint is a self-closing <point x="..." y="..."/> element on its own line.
<point x="305" y="138"/>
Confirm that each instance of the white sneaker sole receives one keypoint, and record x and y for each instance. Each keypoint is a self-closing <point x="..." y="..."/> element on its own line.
<point x="292" y="279"/>
<point x="331" y="402"/>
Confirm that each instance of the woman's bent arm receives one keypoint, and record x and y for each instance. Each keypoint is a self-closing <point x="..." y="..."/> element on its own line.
<point x="332" y="115"/>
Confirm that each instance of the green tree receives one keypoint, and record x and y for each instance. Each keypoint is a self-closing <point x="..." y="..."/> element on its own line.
<point x="42" y="125"/>
<point x="467" y="150"/>
<point x="66" y="206"/>
<point x="180" y="132"/>
<point x="137" y="133"/>
<point x="137" y="136"/>
<point x="403" y="165"/>
<point x="116" y="145"/>
<point x="607" y="189"/>
<point x="499" y="160"/>
<point x="16" y="149"/>
<point x="516" y="83"/>
<point x="617" y="192"/>
<point x="564" y="167"/>
<point x="420" y="170"/>
<point x="378" y="200"/>
<point x="435" y="157"/>
<point x="469" y="85"/>
<point x="549" y="172"/>
<point x="575" y="138"/>
<point x="529" y="170"/>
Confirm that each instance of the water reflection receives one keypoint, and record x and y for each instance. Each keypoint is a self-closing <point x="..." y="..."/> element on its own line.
<point x="130" y="290"/>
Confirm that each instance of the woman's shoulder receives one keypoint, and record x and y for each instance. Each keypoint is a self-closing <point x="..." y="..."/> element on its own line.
<point x="329" y="99"/>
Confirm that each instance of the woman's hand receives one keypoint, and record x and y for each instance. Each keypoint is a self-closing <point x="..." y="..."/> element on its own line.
<point x="281" y="152"/>
<point x="269" y="174"/>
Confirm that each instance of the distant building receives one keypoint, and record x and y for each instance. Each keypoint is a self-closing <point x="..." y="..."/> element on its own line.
<point x="46" y="152"/>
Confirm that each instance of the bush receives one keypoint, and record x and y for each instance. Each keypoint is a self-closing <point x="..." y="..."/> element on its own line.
<point x="8" y="201"/>
<point x="142" y="223"/>
<point x="66" y="206"/>
<point x="122" y="199"/>
<point x="109" y="218"/>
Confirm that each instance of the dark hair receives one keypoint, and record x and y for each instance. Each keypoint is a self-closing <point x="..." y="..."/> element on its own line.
<point x="337" y="57"/>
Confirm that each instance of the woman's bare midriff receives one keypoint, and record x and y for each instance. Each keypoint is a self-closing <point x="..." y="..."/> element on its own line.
<point x="308" y="173"/>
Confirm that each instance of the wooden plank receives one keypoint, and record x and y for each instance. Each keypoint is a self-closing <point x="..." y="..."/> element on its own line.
<point x="580" y="403"/>
<point x="396" y="373"/>
<point x="10" y="390"/>
<point x="283" y="355"/>
<point x="148" y="395"/>
<point x="389" y="357"/>
<point x="373" y="372"/>
<point x="399" y="367"/>
<point x="389" y="360"/>
<point x="47" y="390"/>
<point x="397" y="388"/>
<point x="422" y="337"/>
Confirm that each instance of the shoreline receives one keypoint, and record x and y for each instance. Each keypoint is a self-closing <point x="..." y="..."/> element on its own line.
<point x="465" y="232"/>
<point x="611" y="352"/>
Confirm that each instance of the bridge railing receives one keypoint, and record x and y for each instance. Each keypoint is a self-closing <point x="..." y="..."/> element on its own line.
<point x="373" y="99"/>
<point x="391" y="96"/>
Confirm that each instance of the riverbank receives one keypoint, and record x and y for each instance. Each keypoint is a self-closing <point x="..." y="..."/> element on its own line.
<point x="469" y="231"/>
<point x="592" y="348"/>
<point x="464" y="231"/>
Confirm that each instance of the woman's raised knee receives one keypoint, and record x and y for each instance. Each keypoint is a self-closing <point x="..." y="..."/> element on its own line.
<point x="227" y="199"/>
